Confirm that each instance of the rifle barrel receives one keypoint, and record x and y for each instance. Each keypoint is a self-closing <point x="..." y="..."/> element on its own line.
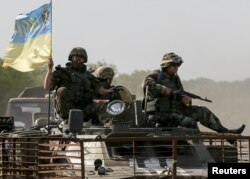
<point x="197" y="97"/>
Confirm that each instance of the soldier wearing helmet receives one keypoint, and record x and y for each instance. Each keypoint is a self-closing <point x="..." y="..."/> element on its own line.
<point x="105" y="75"/>
<point x="170" y="59"/>
<point x="75" y="86"/>
<point x="78" y="52"/>
<point x="168" y="105"/>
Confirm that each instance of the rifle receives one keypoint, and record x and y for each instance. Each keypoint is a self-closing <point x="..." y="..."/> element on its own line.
<point x="194" y="96"/>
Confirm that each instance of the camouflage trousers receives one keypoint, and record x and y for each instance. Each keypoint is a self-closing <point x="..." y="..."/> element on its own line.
<point x="64" y="103"/>
<point x="187" y="118"/>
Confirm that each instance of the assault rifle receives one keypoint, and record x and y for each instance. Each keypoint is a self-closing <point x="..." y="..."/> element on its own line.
<point x="194" y="96"/>
<point x="191" y="95"/>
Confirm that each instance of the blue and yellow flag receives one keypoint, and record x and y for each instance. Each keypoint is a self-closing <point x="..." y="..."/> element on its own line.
<point x="30" y="46"/>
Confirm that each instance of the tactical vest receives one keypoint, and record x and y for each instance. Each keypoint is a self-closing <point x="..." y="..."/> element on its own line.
<point x="168" y="104"/>
<point x="79" y="85"/>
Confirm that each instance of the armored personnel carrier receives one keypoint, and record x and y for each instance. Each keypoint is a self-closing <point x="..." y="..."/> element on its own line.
<point x="120" y="147"/>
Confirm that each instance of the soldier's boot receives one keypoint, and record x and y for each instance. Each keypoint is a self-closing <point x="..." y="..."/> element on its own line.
<point x="233" y="131"/>
<point x="239" y="130"/>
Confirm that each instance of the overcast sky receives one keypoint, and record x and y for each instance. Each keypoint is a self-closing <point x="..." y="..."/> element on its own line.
<point x="212" y="36"/>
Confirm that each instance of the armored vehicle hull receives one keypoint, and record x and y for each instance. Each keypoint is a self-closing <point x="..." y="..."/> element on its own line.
<point x="120" y="147"/>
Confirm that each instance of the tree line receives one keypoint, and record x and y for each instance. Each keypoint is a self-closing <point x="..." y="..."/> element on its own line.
<point x="231" y="100"/>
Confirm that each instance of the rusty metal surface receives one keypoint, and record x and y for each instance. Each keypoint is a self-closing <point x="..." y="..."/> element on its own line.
<point x="50" y="157"/>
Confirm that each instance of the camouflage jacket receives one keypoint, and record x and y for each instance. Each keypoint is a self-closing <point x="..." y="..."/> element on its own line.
<point x="157" y="101"/>
<point x="82" y="85"/>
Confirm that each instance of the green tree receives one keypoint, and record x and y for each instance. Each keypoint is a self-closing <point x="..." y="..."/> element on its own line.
<point x="230" y="99"/>
<point x="13" y="82"/>
<point x="134" y="85"/>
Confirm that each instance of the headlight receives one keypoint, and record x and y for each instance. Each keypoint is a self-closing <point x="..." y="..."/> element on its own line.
<point x="116" y="107"/>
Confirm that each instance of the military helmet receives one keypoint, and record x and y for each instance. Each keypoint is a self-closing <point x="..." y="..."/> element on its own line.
<point x="170" y="58"/>
<point x="78" y="51"/>
<point x="104" y="72"/>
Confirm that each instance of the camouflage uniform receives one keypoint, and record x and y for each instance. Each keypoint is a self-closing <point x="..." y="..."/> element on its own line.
<point x="168" y="110"/>
<point x="75" y="89"/>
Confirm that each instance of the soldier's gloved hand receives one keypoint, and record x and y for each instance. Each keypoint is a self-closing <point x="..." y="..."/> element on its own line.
<point x="186" y="100"/>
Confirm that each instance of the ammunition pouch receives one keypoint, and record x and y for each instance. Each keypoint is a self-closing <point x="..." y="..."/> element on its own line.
<point x="152" y="105"/>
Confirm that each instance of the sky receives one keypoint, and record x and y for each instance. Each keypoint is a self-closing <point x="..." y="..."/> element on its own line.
<point x="212" y="36"/>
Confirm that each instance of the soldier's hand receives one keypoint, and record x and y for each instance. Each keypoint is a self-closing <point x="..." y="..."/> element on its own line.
<point x="111" y="90"/>
<point x="103" y="91"/>
<point x="186" y="100"/>
<point x="167" y="91"/>
<point x="50" y="63"/>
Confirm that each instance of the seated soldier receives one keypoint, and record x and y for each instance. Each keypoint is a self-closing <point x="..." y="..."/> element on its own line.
<point x="105" y="75"/>
<point x="75" y="86"/>
<point x="169" y="109"/>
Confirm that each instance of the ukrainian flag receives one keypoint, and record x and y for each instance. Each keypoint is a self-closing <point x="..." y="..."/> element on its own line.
<point x="30" y="46"/>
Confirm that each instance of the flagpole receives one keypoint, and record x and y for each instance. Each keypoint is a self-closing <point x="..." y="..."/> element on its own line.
<point x="50" y="73"/>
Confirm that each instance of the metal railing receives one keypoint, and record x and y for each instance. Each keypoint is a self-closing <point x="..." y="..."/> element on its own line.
<point x="123" y="157"/>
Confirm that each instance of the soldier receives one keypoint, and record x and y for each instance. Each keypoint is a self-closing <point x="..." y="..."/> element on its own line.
<point x="167" y="104"/>
<point x="75" y="86"/>
<point x="105" y="75"/>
